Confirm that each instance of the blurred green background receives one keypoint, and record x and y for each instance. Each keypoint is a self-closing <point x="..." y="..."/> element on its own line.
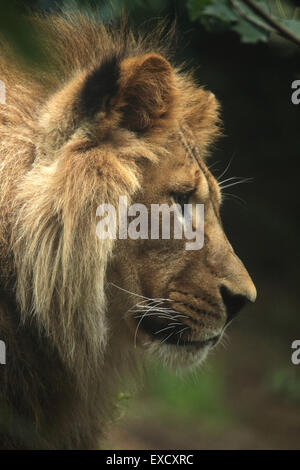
<point x="247" y="396"/>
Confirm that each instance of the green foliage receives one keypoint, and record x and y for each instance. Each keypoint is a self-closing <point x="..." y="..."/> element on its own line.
<point x="285" y="382"/>
<point x="214" y="15"/>
<point x="196" y="8"/>
<point x="19" y="33"/>
<point x="293" y="25"/>
<point x="237" y="17"/>
<point x="191" y="397"/>
<point x="249" y="33"/>
<point x="124" y="396"/>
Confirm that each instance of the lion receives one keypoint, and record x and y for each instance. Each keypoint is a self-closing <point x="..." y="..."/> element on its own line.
<point x="110" y="117"/>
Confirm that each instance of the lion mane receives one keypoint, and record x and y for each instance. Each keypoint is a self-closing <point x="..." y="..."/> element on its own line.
<point x="102" y="90"/>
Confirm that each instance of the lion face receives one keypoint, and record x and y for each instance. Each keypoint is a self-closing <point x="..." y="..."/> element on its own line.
<point x="187" y="298"/>
<point x="174" y="301"/>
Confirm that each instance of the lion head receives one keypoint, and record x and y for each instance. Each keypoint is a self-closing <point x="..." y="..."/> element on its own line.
<point x="125" y="124"/>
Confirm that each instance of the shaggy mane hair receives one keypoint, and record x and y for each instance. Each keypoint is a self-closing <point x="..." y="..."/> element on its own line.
<point x="104" y="92"/>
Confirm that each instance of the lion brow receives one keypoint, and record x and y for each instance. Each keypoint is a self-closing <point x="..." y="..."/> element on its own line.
<point x="194" y="154"/>
<point x="192" y="150"/>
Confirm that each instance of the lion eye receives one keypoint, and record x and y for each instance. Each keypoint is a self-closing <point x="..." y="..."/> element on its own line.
<point x="182" y="198"/>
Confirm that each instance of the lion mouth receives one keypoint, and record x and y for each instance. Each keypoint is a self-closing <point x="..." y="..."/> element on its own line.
<point x="173" y="333"/>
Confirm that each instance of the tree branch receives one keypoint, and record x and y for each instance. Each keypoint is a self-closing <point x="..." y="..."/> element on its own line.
<point x="281" y="30"/>
<point x="244" y="15"/>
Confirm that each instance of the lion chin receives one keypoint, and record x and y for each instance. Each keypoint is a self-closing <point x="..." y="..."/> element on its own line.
<point x="110" y="118"/>
<point x="182" y="358"/>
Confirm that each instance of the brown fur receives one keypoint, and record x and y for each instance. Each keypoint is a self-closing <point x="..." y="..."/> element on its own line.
<point x="62" y="153"/>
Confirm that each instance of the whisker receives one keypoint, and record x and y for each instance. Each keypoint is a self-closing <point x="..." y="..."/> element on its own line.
<point x="129" y="292"/>
<point x="168" y="313"/>
<point x="159" y="309"/>
<point x="183" y="329"/>
<point x="164" y="329"/>
<point x="231" y="178"/>
<point x="234" y="196"/>
<point x="138" y="325"/>
<point x="246" y="180"/>
<point x="147" y="314"/>
<point x="169" y="317"/>
<point x="226" y="169"/>
<point x="213" y="165"/>
<point x="165" y="339"/>
<point x="139" y="295"/>
<point x="180" y="332"/>
<point x="140" y="305"/>
<point x="144" y="315"/>
<point x="144" y="308"/>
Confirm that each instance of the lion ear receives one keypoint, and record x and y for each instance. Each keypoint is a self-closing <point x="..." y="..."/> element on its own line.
<point x="141" y="88"/>
<point x="100" y="86"/>
<point x="147" y="92"/>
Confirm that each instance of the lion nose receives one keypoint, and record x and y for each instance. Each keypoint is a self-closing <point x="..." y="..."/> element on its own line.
<point x="234" y="302"/>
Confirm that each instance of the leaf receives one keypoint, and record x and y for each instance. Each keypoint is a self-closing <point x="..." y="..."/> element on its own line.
<point x="292" y="25"/>
<point x="221" y="10"/>
<point x="196" y="7"/>
<point x="250" y="33"/>
<point x="124" y="396"/>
